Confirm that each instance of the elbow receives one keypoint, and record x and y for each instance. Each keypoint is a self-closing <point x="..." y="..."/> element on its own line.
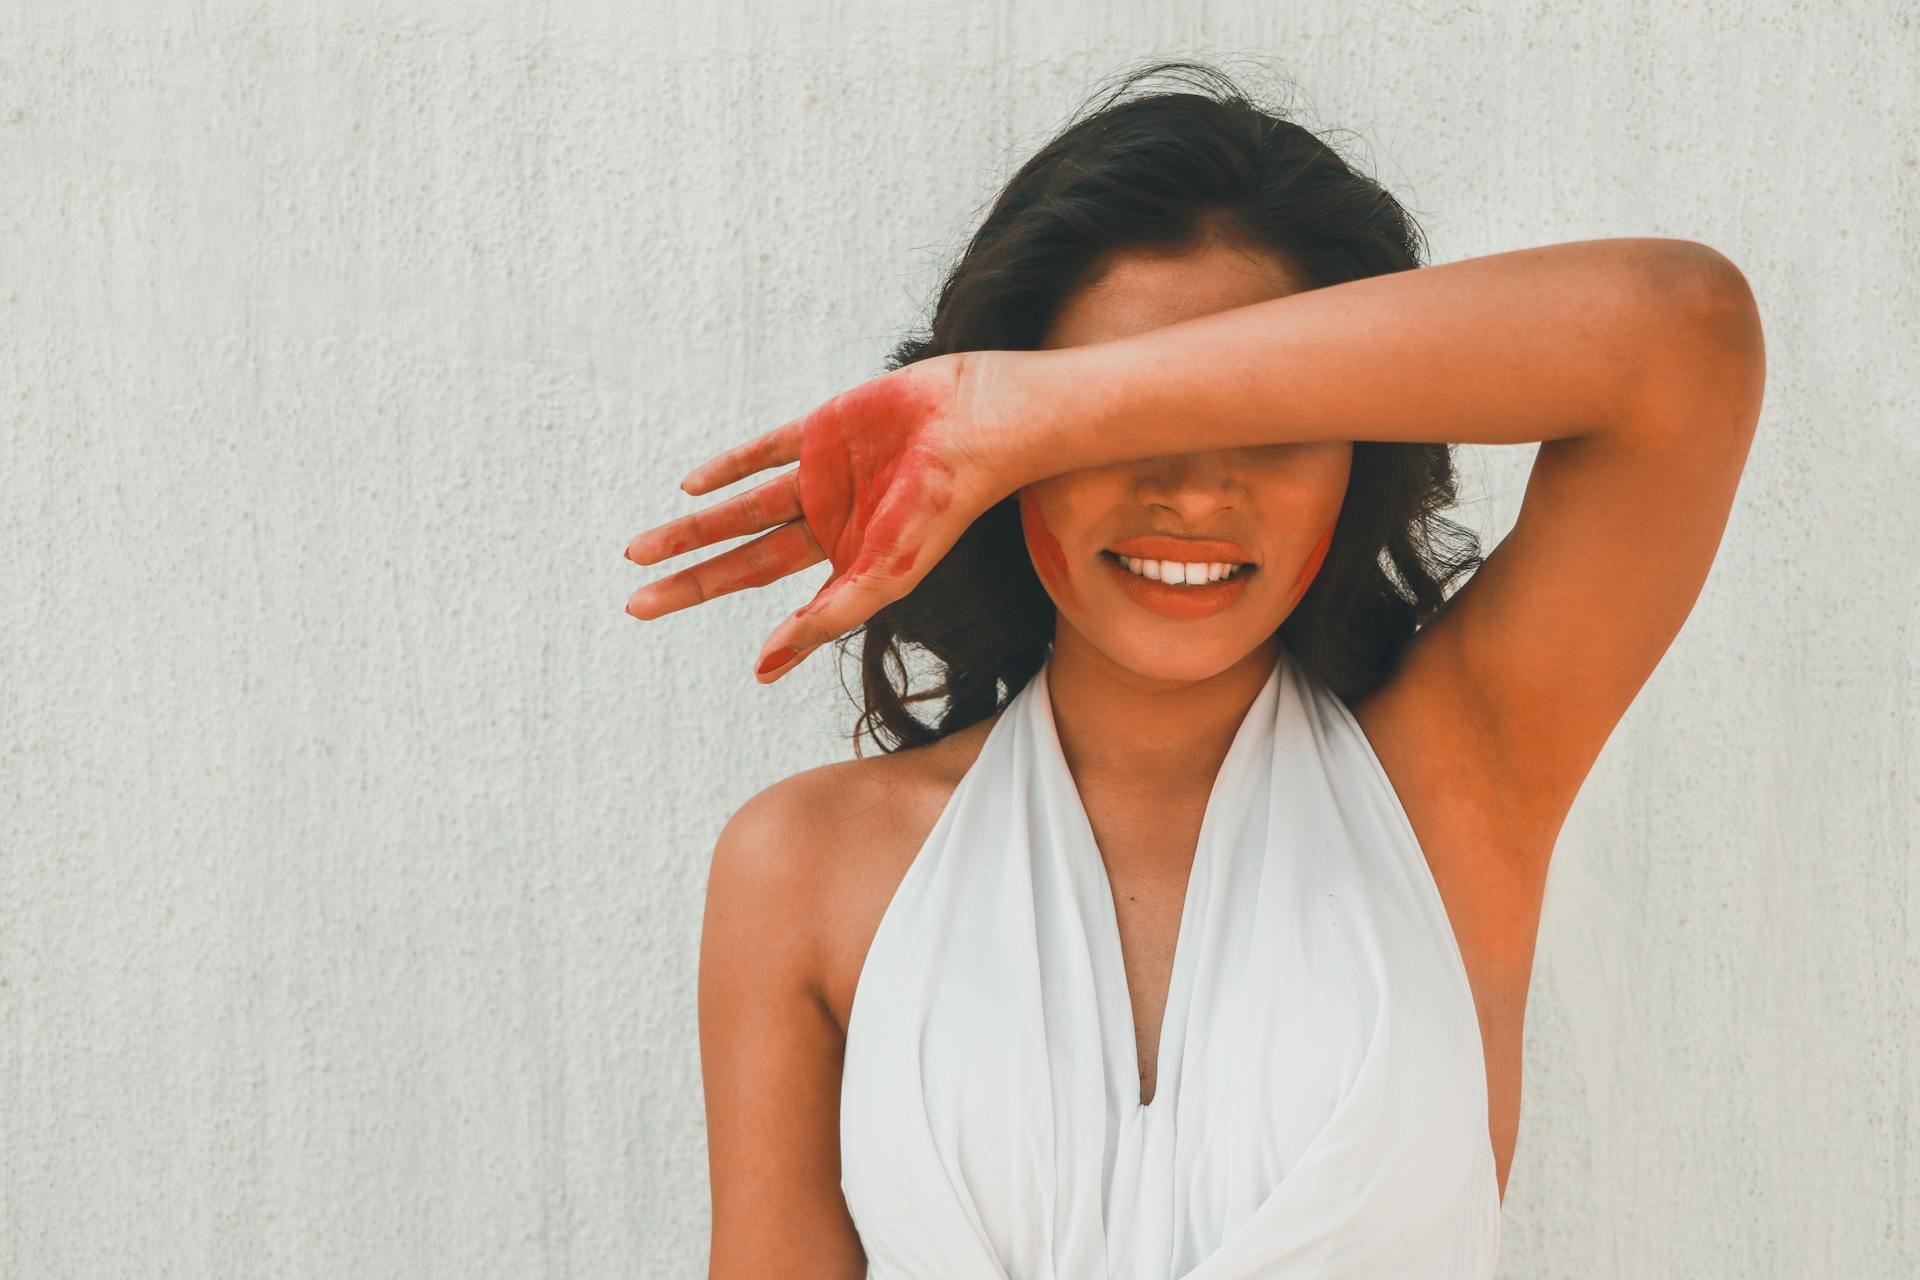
<point x="1702" y="289"/>
<point x="1711" y="322"/>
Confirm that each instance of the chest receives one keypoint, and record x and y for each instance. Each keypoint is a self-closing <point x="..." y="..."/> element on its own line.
<point x="1147" y="840"/>
<point x="1319" y="1060"/>
<point x="1146" y="844"/>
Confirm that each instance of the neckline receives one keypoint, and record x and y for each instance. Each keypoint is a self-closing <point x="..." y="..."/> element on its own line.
<point x="1203" y="854"/>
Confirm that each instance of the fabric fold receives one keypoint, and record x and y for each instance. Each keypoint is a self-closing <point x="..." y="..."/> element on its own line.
<point x="1320" y="1100"/>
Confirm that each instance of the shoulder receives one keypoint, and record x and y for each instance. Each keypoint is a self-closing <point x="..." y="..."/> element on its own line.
<point x="772" y="866"/>
<point x="805" y="855"/>
<point x="770" y="1049"/>
<point x="803" y="871"/>
<point x="792" y="834"/>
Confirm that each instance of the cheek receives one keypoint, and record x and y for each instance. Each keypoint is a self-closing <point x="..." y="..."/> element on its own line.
<point x="1049" y="560"/>
<point x="1315" y="558"/>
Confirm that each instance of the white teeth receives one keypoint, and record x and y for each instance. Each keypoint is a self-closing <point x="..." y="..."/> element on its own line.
<point x="1180" y="572"/>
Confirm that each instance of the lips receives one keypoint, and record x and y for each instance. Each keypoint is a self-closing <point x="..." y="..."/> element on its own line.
<point x="1160" y="546"/>
<point x="1187" y="603"/>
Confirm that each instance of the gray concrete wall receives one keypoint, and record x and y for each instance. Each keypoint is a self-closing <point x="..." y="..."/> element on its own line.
<point x="355" y="839"/>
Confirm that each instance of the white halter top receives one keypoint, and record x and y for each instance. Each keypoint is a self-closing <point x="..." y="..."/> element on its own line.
<point x="1320" y="1101"/>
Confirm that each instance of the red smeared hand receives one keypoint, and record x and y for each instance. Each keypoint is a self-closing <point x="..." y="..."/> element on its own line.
<point x="890" y="474"/>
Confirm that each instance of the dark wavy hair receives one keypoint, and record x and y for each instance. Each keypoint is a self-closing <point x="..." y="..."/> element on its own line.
<point x="1164" y="170"/>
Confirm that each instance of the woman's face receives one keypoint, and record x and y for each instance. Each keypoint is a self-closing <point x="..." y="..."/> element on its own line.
<point x="1275" y="504"/>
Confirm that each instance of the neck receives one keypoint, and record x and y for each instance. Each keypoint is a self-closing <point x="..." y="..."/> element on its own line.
<point x="1152" y="732"/>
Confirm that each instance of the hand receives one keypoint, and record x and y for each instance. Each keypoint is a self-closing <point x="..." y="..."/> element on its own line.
<point x="891" y="474"/>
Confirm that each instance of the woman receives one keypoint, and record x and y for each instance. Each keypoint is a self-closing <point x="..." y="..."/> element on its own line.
<point x="1193" y="938"/>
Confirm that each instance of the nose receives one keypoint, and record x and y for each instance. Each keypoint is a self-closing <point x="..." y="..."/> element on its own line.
<point x="1192" y="485"/>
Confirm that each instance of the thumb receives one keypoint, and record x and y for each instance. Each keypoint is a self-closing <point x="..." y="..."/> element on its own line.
<point x="841" y="605"/>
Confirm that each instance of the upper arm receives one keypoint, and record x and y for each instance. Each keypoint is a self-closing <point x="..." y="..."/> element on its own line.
<point x="770" y="1053"/>
<point x="1570" y="613"/>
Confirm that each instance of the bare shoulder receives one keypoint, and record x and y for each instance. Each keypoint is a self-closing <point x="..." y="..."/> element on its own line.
<point x="815" y="857"/>
<point x="800" y="876"/>
<point x="854" y="828"/>
<point x="793" y="874"/>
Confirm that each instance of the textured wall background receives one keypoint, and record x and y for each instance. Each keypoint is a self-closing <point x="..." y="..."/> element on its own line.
<point x="355" y="839"/>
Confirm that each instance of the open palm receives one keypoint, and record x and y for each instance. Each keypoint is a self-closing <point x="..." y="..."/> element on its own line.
<point x="891" y="472"/>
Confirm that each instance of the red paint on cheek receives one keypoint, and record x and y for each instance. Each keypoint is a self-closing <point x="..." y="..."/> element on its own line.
<point x="1315" y="558"/>
<point x="1049" y="559"/>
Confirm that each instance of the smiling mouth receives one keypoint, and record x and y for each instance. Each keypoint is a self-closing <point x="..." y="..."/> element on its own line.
<point x="1191" y="575"/>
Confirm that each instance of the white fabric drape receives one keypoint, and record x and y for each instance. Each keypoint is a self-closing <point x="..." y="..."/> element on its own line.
<point x="1320" y="1103"/>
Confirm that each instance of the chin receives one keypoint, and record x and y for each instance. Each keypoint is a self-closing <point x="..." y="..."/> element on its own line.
<point x="1189" y="654"/>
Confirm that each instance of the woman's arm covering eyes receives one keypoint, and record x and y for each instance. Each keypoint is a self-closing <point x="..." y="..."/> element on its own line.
<point x="1637" y="365"/>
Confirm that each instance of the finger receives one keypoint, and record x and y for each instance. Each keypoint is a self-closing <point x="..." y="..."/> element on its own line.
<point x="761" y="507"/>
<point x="779" y="662"/>
<point x="780" y="445"/>
<point x="767" y="558"/>
<point x="839" y="607"/>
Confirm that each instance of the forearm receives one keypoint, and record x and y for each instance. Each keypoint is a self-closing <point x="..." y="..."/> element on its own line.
<point x="1530" y="345"/>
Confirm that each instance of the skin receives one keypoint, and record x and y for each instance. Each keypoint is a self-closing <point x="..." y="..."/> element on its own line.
<point x="861" y="450"/>
<point x="1636" y="365"/>
<point x="883" y="489"/>
<point x="1049" y="559"/>
<point x="1116" y="664"/>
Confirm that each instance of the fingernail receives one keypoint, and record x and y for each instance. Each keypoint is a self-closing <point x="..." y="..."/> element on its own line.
<point x="775" y="660"/>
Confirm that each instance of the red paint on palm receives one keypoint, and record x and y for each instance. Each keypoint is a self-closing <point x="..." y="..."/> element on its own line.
<point x="866" y="475"/>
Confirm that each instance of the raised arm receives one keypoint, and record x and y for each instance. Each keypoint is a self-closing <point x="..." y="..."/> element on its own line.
<point x="1548" y="343"/>
<point x="1637" y="363"/>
